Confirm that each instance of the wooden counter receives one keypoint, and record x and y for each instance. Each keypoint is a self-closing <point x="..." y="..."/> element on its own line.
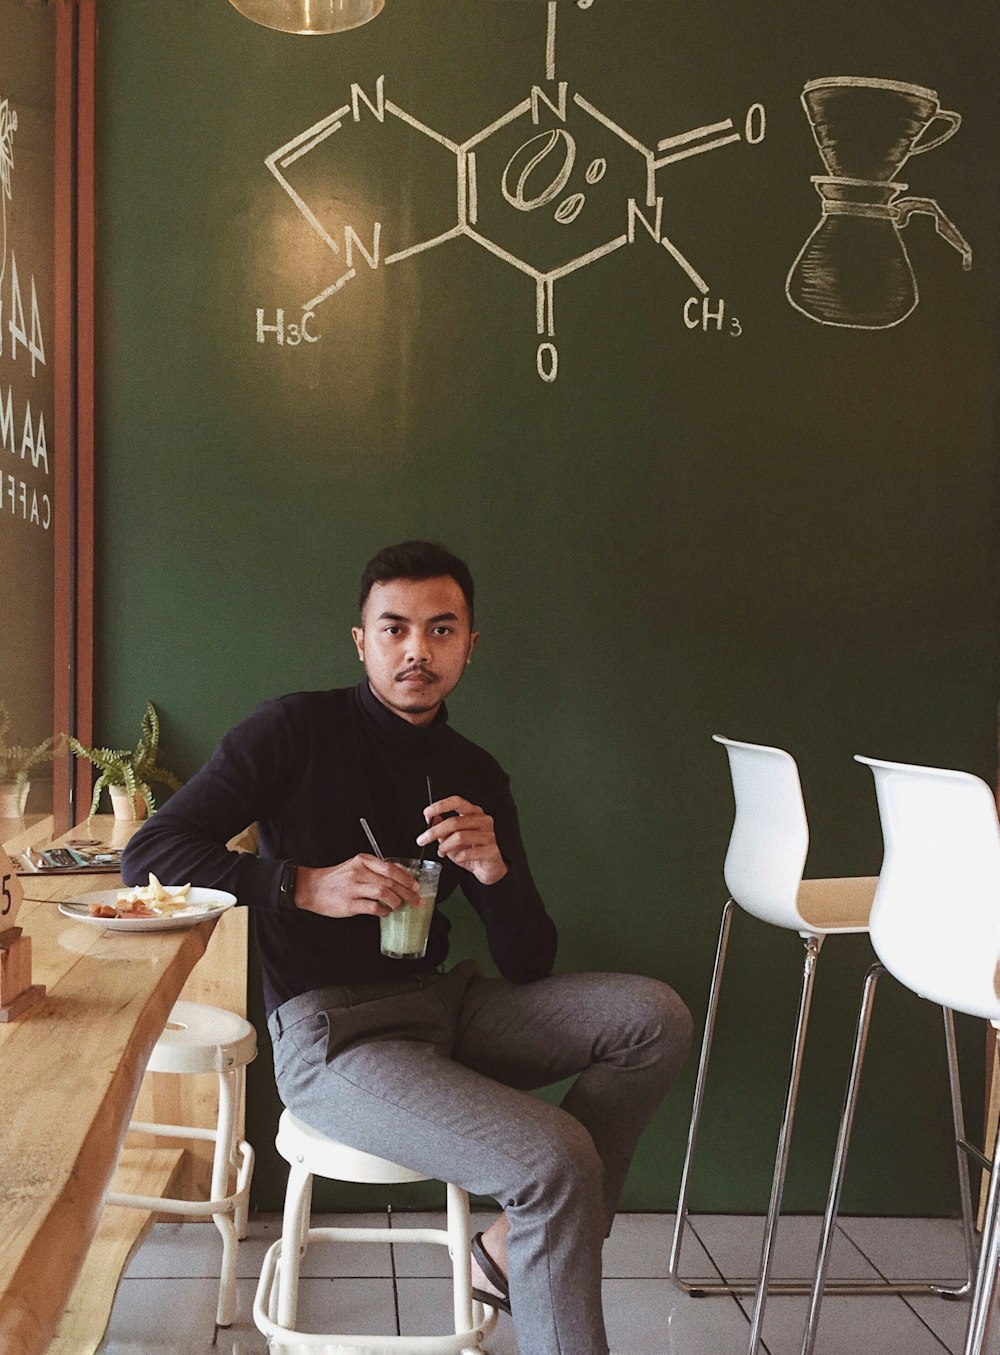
<point x="70" y="1071"/>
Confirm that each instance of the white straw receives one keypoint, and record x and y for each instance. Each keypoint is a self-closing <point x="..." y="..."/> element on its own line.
<point x="371" y="838"/>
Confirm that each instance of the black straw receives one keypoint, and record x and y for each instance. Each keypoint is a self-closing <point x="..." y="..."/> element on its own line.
<point x="430" y="800"/>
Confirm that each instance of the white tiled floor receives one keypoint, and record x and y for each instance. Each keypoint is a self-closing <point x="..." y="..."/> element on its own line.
<point x="166" y="1300"/>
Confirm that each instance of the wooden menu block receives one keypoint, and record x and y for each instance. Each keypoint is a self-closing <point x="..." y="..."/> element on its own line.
<point x="17" y="993"/>
<point x="15" y="968"/>
<point x="21" y="1003"/>
<point x="11" y="893"/>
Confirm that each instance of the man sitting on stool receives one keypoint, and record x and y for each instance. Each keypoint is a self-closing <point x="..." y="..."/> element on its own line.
<point x="427" y="1066"/>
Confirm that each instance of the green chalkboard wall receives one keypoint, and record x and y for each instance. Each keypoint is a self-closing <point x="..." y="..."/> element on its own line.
<point x="723" y="514"/>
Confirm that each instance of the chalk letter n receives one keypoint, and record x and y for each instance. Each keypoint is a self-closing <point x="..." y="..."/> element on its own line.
<point x="539" y="97"/>
<point x="358" y="96"/>
<point x="351" y="238"/>
<point x="635" y="215"/>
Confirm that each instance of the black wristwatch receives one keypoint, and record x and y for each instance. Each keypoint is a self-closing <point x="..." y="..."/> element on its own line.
<point x="286" y="887"/>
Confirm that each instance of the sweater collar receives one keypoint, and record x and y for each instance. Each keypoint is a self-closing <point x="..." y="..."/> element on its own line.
<point x="398" y="729"/>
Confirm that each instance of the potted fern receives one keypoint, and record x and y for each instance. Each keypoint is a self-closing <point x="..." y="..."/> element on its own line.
<point x="16" y="762"/>
<point x="129" y="773"/>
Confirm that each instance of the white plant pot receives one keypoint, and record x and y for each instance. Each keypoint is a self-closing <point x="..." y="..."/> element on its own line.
<point x="13" y="799"/>
<point x="123" y="807"/>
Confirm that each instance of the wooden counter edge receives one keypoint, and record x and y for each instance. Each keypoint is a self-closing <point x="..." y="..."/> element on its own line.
<point x="40" y="1288"/>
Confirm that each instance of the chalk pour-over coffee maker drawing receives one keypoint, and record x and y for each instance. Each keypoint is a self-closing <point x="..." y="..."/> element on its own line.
<point x="854" y="270"/>
<point x="8" y="126"/>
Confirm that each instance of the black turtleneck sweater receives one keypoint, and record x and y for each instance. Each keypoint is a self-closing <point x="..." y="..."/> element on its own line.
<point x="306" y="769"/>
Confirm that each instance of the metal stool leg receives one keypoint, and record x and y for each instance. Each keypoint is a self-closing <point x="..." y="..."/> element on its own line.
<point x="242" y="1216"/>
<point x="840" y="1156"/>
<point x="962" y="1160"/>
<point x="840" y="1163"/>
<point x="225" y="1151"/>
<point x="681" y="1217"/>
<point x="746" y="1286"/>
<point x="812" y="945"/>
<point x="298" y="1201"/>
<point x="986" y="1274"/>
<point x="459" y="1247"/>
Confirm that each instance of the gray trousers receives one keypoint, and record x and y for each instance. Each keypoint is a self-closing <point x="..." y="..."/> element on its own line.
<point x="434" y="1074"/>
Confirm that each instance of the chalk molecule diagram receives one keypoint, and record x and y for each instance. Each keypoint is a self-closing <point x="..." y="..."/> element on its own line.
<point x="528" y="166"/>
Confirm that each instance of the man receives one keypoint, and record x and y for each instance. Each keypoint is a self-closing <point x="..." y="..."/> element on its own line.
<point x="427" y="1066"/>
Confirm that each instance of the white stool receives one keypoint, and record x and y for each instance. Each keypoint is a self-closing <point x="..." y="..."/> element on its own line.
<point x="308" y="1154"/>
<point x="200" y="1039"/>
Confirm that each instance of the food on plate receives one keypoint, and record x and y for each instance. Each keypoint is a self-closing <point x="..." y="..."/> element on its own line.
<point x="152" y="900"/>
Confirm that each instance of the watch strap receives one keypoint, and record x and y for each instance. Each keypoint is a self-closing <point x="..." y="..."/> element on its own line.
<point x="286" y="886"/>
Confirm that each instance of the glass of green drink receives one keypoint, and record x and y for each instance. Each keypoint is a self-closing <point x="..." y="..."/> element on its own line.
<point x="404" y="932"/>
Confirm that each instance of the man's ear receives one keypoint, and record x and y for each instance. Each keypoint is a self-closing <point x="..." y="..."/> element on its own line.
<point x="473" y="641"/>
<point x="358" y="636"/>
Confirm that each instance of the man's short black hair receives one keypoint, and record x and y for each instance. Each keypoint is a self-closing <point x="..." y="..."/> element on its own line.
<point x="416" y="560"/>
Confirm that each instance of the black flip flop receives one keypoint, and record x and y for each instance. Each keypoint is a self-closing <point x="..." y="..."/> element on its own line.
<point x="486" y="1265"/>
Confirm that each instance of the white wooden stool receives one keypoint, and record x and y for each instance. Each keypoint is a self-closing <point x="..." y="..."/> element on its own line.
<point x="308" y="1154"/>
<point x="201" y="1039"/>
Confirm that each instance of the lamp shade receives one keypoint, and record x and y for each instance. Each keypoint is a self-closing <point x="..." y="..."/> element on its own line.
<point x="309" y="16"/>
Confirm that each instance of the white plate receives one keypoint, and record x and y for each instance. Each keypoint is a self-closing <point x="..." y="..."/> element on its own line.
<point x="202" y="903"/>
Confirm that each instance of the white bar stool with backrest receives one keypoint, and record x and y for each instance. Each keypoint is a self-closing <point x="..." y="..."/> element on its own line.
<point x="763" y="870"/>
<point x="203" y="1039"/>
<point x="309" y="1154"/>
<point x="935" y="926"/>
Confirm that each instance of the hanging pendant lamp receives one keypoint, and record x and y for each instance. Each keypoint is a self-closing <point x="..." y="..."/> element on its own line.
<point x="309" y="16"/>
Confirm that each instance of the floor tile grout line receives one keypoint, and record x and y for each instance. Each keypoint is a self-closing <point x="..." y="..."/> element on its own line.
<point x="252" y="1279"/>
<point x="392" y="1264"/>
<point x="924" y="1323"/>
<point x="857" y="1246"/>
<point x="718" y="1270"/>
<point x="882" y="1276"/>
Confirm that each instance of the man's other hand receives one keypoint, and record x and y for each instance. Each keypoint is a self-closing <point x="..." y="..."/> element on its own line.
<point x="464" y="834"/>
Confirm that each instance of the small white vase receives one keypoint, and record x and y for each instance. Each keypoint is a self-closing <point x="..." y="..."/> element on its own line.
<point x="13" y="799"/>
<point x="123" y="807"/>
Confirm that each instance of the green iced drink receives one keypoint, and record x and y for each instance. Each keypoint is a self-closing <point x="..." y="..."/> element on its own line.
<point x="404" y="932"/>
